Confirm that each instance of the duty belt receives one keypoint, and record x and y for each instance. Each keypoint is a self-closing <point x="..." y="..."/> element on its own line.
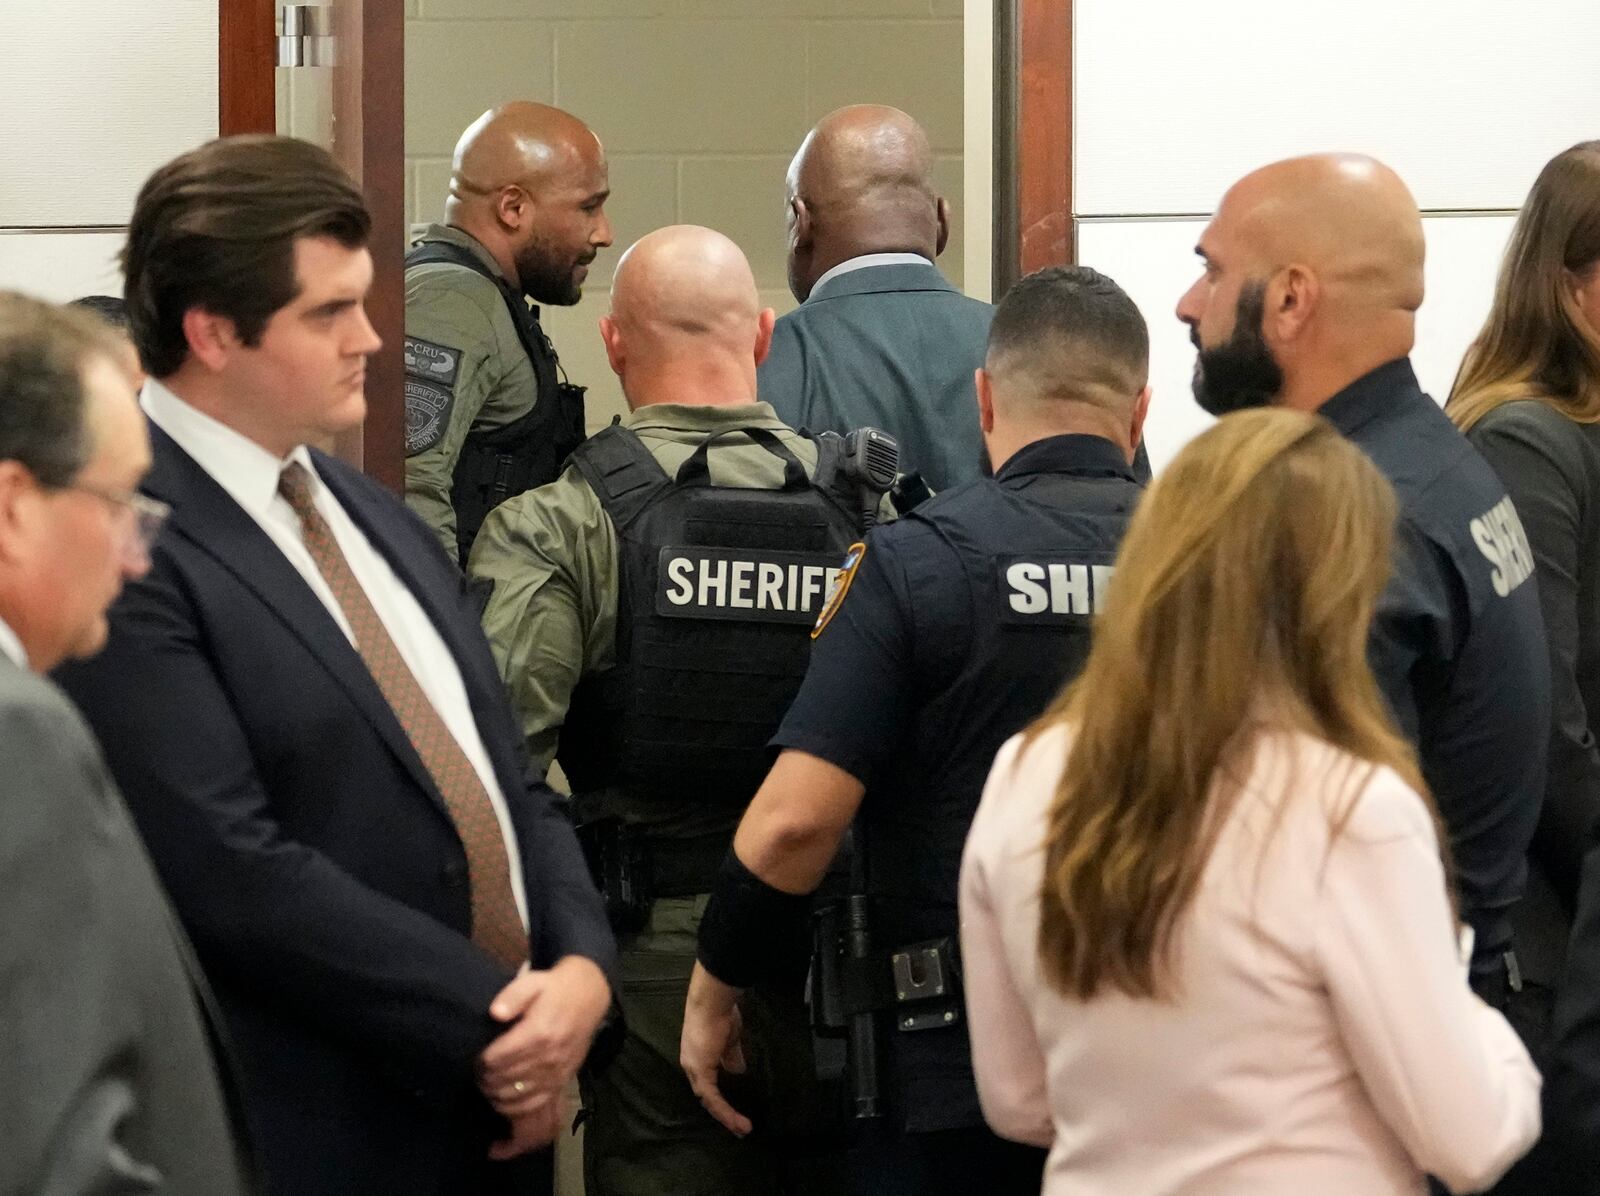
<point x="632" y="869"/>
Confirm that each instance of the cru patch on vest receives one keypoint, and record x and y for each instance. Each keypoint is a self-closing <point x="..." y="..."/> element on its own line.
<point x="841" y="587"/>
<point x="743" y="585"/>
<point x="431" y="362"/>
<point x="431" y="372"/>
<point x="1034" y="591"/>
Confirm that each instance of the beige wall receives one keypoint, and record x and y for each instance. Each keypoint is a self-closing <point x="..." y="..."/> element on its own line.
<point x="700" y="103"/>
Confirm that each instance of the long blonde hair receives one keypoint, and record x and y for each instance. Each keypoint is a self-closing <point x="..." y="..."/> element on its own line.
<point x="1536" y="343"/>
<point x="1242" y="599"/>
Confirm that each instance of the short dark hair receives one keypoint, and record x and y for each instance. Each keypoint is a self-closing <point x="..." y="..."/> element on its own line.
<point x="1073" y="313"/>
<point x="43" y="352"/>
<point x="109" y="308"/>
<point x="215" y="228"/>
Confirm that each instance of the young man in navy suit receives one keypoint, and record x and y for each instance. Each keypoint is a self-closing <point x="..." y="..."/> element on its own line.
<point x="309" y="728"/>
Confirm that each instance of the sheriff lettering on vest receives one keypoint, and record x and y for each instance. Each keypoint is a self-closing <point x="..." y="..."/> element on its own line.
<point x="651" y="614"/>
<point x="950" y="631"/>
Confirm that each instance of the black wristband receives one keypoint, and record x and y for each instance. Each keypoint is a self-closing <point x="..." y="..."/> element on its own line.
<point x="751" y="931"/>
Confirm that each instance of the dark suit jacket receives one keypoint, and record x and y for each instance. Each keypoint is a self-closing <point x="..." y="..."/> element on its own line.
<point x="890" y="347"/>
<point x="308" y="851"/>
<point x="107" y="1080"/>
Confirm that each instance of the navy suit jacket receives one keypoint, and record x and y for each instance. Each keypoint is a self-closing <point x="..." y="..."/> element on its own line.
<point x="891" y="347"/>
<point x="306" y="848"/>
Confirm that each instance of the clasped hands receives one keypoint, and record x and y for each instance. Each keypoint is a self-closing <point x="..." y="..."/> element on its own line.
<point x="551" y="1017"/>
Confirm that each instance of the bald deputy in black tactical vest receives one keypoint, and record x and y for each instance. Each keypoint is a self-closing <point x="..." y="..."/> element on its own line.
<point x="489" y="411"/>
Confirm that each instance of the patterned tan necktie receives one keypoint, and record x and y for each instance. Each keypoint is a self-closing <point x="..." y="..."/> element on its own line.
<point x="496" y="925"/>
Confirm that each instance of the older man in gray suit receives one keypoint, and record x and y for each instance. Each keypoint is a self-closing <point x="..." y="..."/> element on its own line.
<point x="880" y="339"/>
<point x="107" y="1078"/>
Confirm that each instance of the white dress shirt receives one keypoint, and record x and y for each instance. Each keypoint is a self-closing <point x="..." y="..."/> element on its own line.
<point x="11" y="645"/>
<point x="1321" y="1039"/>
<point x="866" y="261"/>
<point x="249" y="473"/>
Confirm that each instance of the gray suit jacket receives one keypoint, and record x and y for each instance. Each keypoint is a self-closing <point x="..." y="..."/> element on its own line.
<point x="891" y="347"/>
<point x="107" y="1078"/>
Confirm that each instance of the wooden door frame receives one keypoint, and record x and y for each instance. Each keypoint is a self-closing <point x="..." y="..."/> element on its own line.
<point x="369" y="121"/>
<point x="247" y="53"/>
<point x="369" y="141"/>
<point x="1033" y="217"/>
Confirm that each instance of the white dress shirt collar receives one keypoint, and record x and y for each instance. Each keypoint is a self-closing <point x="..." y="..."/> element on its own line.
<point x="11" y="645"/>
<point x="248" y="472"/>
<point x="867" y="260"/>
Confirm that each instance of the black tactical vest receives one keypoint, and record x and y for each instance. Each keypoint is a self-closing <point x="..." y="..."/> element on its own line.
<point x="1036" y="553"/>
<point x="720" y="587"/>
<point x="496" y="463"/>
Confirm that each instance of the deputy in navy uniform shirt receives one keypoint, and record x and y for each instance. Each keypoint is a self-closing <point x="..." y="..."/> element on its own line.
<point x="956" y="627"/>
<point x="1313" y="275"/>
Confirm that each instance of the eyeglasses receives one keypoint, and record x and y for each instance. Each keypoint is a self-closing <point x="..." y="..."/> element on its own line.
<point x="149" y="514"/>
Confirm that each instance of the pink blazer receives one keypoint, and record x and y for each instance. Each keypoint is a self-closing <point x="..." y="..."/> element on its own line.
<point x="1322" y="1042"/>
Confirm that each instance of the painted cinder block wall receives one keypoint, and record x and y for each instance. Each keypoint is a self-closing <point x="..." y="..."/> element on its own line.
<point x="700" y="104"/>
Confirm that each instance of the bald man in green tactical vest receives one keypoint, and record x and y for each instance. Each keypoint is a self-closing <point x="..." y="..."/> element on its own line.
<point x="651" y="615"/>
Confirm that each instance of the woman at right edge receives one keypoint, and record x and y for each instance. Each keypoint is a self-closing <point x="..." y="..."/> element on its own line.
<point x="1528" y="397"/>
<point x="1208" y="940"/>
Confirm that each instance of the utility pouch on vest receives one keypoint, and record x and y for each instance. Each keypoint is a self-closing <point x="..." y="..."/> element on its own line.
<point x="927" y="985"/>
<point x="620" y="867"/>
<point x="569" y="420"/>
<point x="847" y="977"/>
<point x="920" y="983"/>
<point x="854" y="991"/>
<point x="847" y="990"/>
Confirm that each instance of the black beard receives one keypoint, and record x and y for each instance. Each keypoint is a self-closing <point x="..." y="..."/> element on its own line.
<point x="545" y="279"/>
<point x="1241" y="372"/>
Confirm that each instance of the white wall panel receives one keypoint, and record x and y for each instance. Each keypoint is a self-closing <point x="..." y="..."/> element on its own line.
<point x="94" y="95"/>
<point x="1154" y="262"/>
<point x="61" y="266"/>
<point x="1176" y="99"/>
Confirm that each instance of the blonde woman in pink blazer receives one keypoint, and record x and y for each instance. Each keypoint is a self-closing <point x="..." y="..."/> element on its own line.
<point x="1206" y="927"/>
